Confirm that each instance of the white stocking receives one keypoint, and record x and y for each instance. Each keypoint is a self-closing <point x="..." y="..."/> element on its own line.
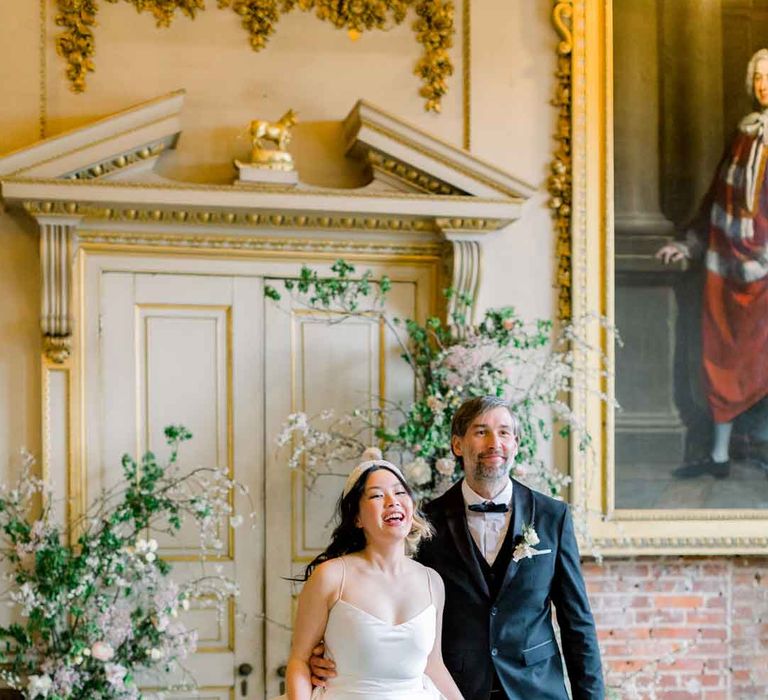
<point x="721" y="439"/>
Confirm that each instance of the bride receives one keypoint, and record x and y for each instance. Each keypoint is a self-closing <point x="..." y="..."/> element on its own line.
<point x="378" y="611"/>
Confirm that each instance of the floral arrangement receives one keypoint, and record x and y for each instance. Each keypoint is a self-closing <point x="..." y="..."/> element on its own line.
<point x="501" y="356"/>
<point x="93" y="613"/>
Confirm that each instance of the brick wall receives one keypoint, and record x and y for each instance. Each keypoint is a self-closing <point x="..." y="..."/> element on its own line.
<point x="682" y="628"/>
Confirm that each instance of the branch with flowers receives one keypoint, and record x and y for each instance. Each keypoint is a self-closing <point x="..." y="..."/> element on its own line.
<point x="93" y="614"/>
<point x="527" y="362"/>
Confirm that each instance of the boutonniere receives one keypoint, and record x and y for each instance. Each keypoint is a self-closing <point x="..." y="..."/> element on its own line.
<point x="525" y="548"/>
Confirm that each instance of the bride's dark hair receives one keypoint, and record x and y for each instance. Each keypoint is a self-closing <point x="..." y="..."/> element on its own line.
<point x="347" y="537"/>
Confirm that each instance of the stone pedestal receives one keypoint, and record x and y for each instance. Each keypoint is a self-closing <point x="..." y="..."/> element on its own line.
<point x="249" y="174"/>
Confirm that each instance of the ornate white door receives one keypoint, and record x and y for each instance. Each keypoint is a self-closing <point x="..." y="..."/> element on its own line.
<point x="169" y="341"/>
<point x="185" y="349"/>
<point x="314" y="362"/>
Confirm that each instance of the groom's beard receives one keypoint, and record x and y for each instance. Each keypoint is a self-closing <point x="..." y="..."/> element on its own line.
<point x="487" y="469"/>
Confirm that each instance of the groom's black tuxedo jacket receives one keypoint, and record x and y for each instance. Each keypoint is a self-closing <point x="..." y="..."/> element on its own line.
<point x="512" y="630"/>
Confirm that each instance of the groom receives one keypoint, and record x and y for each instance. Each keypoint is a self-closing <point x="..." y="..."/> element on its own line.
<point x="506" y="553"/>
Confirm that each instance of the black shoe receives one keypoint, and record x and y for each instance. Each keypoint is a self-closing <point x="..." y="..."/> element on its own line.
<point x="702" y="467"/>
<point x="758" y="453"/>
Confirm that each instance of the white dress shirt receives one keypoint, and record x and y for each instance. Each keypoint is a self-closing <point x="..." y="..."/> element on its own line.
<point x="487" y="529"/>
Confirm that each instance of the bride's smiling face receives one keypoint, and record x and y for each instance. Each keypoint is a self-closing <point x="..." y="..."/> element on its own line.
<point x="386" y="509"/>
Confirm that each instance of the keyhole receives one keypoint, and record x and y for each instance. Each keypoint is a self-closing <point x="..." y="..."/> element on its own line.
<point x="244" y="670"/>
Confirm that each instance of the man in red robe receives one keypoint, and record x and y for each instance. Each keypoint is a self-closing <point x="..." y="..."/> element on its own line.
<point x="731" y="234"/>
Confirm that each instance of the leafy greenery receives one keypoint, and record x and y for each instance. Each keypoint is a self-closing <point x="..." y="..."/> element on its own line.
<point x="94" y="611"/>
<point x="503" y="355"/>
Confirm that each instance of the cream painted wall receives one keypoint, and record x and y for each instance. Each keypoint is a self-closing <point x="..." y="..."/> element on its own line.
<point x="308" y="66"/>
<point x="19" y="266"/>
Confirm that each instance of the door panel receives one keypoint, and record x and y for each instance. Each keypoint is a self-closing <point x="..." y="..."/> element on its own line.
<point x="314" y="361"/>
<point x="169" y="349"/>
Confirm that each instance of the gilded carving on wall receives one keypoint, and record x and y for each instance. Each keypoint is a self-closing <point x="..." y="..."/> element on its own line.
<point x="560" y="180"/>
<point x="434" y="29"/>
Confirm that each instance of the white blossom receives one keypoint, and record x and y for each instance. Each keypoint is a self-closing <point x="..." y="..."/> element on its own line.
<point x="418" y="471"/>
<point x="39" y="686"/>
<point x="445" y="466"/>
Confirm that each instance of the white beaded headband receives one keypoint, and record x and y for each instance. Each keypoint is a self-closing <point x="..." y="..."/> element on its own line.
<point x="361" y="468"/>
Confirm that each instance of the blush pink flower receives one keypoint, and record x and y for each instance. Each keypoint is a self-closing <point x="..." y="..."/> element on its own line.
<point x="101" y="651"/>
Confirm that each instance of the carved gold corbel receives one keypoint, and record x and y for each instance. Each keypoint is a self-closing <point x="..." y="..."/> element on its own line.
<point x="465" y="268"/>
<point x="56" y="235"/>
<point x="560" y="179"/>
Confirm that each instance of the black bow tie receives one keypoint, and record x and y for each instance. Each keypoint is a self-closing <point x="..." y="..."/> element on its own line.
<point x="488" y="507"/>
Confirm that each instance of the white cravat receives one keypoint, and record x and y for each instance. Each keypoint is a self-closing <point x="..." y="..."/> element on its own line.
<point x="487" y="529"/>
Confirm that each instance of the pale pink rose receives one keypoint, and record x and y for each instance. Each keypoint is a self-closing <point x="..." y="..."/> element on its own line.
<point x="101" y="651"/>
<point x="418" y="472"/>
<point x="508" y="324"/>
<point x="445" y="466"/>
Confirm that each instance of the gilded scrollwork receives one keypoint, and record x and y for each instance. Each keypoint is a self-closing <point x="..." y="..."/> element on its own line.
<point x="560" y="179"/>
<point x="434" y="29"/>
<point x="75" y="44"/>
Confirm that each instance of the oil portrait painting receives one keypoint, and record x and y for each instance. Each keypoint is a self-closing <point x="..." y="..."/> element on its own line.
<point x="690" y="199"/>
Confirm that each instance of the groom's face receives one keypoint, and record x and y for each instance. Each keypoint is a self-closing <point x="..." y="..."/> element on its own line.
<point x="488" y="447"/>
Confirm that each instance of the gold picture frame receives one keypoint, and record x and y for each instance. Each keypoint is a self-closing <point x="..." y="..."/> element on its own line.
<point x="583" y="205"/>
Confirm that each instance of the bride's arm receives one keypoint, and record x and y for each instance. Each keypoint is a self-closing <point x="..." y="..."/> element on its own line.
<point x="315" y="600"/>
<point x="436" y="669"/>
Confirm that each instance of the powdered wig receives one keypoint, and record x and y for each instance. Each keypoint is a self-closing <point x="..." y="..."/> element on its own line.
<point x="751" y="67"/>
<point x="347" y="537"/>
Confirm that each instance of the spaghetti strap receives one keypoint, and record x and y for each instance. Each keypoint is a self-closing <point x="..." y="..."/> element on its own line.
<point x="429" y="586"/>
<point x="343" y="576"/>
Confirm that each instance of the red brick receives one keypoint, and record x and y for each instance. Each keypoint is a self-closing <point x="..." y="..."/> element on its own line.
<point x="647" y="609"/>
<point x="705" y="618"/>
<point x="679" y="601"/>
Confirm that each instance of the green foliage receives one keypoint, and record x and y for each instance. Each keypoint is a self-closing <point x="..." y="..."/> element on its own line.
<point x="503" y="355"/>
<point x="342" y="291"/>
<point x="70" y="595"/>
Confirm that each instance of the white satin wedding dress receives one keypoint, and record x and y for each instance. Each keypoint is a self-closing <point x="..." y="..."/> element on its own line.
<point x="376" y="660"/>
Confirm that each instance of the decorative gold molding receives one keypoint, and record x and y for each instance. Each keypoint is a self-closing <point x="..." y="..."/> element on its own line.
<point x="410" y="175"/>
<point x="466" y="67"/>
<point x="248" y="245"/>
<point x="560" y="179"/>
<point x="193" y="187"/>
<point x="434" y="30"/>
<point x="113" y="164"/>
<point x="241" y="219"/>
<point x="692" y="545"/>
<point x="43" y="79"/>
<point x="384" y="131"/>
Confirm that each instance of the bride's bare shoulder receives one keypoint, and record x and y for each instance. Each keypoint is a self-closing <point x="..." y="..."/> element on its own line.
<point x="328" y="576"/>
<point x="434" y="578"/>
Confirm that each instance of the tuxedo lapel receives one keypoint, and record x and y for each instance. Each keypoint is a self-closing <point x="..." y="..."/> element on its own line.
<point x="457" y="524"/>
<point x="523" y="513"/>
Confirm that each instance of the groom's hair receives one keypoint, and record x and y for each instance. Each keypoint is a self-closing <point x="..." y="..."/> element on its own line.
<point x="472" y="408"/>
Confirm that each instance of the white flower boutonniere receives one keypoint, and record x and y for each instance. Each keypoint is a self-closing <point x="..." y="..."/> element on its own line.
<point x="525" y="549"/>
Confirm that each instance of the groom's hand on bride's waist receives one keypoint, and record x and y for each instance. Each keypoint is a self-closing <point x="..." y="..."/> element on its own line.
<point x="322" y="668"/>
